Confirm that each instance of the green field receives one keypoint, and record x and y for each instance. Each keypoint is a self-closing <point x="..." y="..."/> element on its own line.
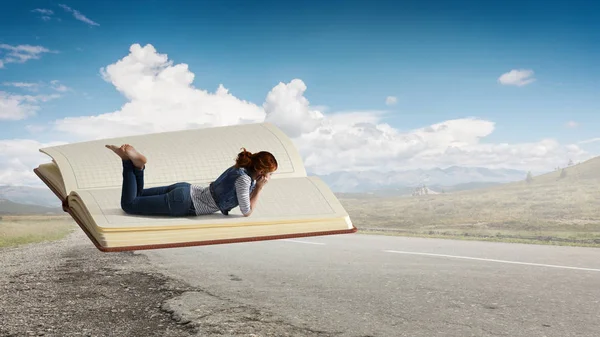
<point x="551" y="209"/>
<point x="24" y="229"/>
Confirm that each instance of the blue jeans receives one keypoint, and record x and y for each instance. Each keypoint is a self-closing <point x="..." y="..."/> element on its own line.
<point x="172" y="200"/>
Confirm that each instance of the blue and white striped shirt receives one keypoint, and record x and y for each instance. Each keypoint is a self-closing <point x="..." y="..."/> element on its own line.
<point x="242" y="189"/>
<point x="205" y="204"/>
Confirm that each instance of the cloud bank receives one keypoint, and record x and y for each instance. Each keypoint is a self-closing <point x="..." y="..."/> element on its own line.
<point x="161" y="97"/>
<point x="16" y="107"/>
<point x="18" y="157"/>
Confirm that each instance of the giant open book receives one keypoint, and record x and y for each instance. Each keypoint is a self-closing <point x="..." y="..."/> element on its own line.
<point x="87" y="177"/>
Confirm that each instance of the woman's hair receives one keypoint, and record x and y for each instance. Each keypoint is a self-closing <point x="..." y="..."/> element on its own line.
<point x="260" y="161"/>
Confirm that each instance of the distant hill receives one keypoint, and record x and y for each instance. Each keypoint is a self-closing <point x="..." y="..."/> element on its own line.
<point x="464" y="187"/>
<point x="8" y="207"/>
<point x="403" y="182"/>
<point x="408" y="191"/>
<point x="585" y="174"/>
<point x="586" y="170"/>
<point x="29" y="195"/>
<point x="560" y="206"/>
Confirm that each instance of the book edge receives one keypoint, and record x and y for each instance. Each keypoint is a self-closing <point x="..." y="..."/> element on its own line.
<point x="52" y="188"/>
<point x="202" y="243"/>
<point x="62" y="162"/>
<point x="291" y="149"/>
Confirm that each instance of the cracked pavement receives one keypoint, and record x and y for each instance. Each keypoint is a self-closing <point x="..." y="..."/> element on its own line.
<point x="323" y="286"/>
<point x="68" y="288"/>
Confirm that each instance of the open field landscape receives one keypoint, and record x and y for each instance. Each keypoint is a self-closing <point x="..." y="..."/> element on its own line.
<point x="561" y="207"/>
<point x="554" y="208"/>
<point x="25" y="229"/>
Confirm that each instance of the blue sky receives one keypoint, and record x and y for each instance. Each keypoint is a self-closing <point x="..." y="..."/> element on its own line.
<point x="442" y="61"/>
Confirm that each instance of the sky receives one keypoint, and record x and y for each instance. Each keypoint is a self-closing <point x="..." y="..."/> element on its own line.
<point x="371" y="85"/>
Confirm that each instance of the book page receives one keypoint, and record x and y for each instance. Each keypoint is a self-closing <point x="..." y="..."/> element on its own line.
<point x="194" y="156"/>
<point x="51" y="175"/>
<point x="282" y="200"/>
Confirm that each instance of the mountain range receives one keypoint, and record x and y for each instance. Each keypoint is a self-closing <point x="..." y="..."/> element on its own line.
<point x="404" y="182"/>
<point x="8" y="207"/>
<point x="26" y="195"/>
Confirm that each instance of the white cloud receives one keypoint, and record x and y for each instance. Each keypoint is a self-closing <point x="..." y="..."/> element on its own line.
<point x="78" y="15"/>
<point x="18" y="158"/>
<point x="43" y="11"/>
<point x="286" y="107"/>
<point x="588" y="141"/>
<point x="322" y="108"/>
<point x="16" y="107"/>
<point x="46" y="14"/>
<point x="55" y="84"/>
<point x="572" y="124"/>
<point x="35" y="128"/>
<point x="21" y="53"/>
<point x="363" y="142"/>
<point x="537" y="156"/>
<point x="22" y="85"/>
<point x="391" y="100"/>
<point x="516" y="77"/>
<point x="161" y="97"/>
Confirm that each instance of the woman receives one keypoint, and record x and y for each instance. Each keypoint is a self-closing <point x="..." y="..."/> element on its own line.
<point x="239" y="185"/>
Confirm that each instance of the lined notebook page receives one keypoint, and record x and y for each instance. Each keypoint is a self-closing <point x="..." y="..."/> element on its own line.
<point x="291" y="199"/>
<point x="195" y="156"/>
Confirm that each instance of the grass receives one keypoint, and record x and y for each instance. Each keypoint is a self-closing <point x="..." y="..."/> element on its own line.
<point x="549" y="210"/>
<point x="25" y="229"/>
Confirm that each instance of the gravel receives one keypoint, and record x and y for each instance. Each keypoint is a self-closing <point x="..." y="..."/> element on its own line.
<point x="69" y="288"/>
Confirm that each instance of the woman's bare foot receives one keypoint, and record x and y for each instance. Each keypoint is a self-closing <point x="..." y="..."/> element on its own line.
<point x="138" y="159"/>
<point x="120" y="151"/>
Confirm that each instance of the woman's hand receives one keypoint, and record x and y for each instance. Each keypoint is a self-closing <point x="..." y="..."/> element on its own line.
<point x="261" y="181"/>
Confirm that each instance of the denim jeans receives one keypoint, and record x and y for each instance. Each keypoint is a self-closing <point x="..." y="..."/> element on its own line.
<point x="172" y="200"/>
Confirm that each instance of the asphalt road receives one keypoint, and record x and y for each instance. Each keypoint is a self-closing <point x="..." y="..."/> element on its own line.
<point x="370" y="285"/>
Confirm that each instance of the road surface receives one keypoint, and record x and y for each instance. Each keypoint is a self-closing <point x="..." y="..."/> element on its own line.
<point x="371" y="285"/>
